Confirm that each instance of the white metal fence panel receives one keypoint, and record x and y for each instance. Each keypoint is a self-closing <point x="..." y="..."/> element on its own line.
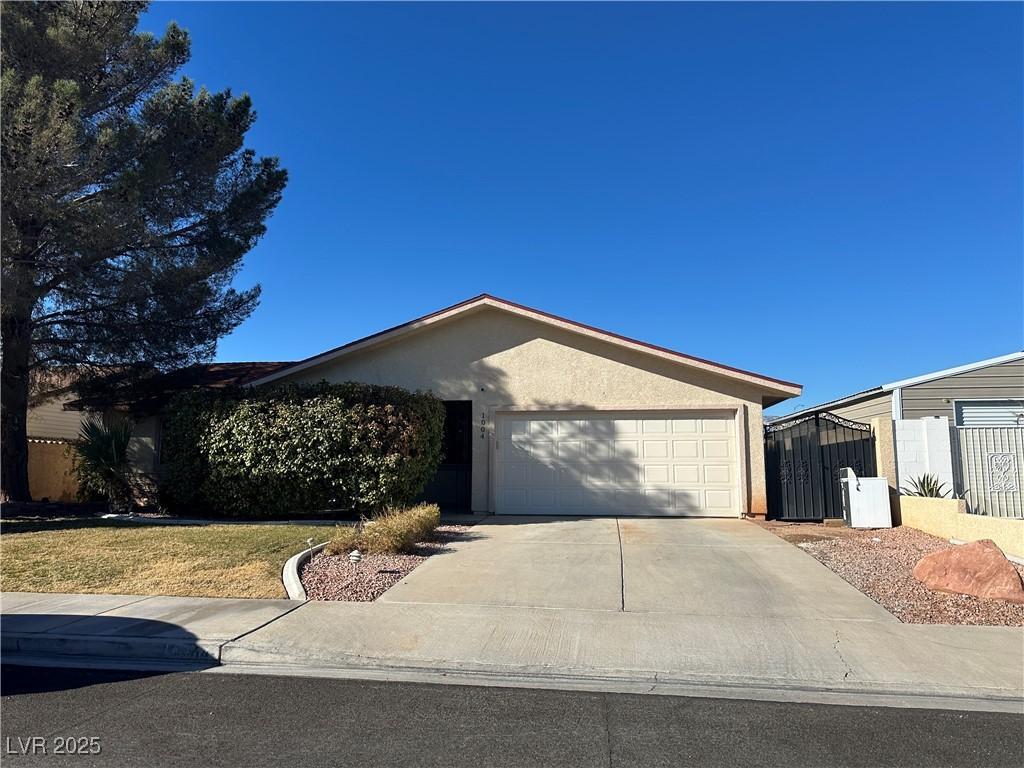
<point x="991" y="460"/>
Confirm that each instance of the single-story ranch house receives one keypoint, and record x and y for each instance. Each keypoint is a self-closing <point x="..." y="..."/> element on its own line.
<point x="548" y="416"/>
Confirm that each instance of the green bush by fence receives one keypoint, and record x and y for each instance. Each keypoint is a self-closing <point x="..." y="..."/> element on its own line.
<point x="299" y="448"/>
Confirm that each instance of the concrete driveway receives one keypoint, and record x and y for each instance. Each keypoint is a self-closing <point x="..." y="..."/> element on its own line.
<point x="729" y="568"/>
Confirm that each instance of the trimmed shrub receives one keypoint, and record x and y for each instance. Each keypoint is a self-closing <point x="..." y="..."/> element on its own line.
<point x="299" y="448"/>
<point x="393" y="532"/>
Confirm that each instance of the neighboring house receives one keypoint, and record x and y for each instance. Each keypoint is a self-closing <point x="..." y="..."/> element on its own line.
<point x="144" y="402"/>
<point x="549" y="416"/>
<point x="964" y="425"/>
<point x="986" y="393"/>
<point x="51" y="430"/>
<point x="545" y="415"/>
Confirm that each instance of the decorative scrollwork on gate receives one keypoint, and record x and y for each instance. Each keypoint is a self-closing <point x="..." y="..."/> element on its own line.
<point x="803" y="473"/>
<point x="845" y="422"/>
<point x="1002" y="472"/>
<point x="785" y="472"/>
<point x="777" y="426"/>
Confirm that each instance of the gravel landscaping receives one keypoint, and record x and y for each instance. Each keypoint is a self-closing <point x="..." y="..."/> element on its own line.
<point x="880" y="564"/>
<point x="333" y="577"/>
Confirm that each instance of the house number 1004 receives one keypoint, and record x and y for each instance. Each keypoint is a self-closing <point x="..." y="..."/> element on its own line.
<point x="483" y="426"/>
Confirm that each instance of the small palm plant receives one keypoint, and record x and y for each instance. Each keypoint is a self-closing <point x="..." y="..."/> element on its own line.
<point x="926" y="485"/>
<point x="101" y="462"/>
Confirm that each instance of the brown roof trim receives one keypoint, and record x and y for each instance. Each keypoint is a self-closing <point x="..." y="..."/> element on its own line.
<point x="486" y="297"/>
<point x="630" y="340"/>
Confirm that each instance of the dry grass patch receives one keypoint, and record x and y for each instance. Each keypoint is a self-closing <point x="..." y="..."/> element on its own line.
<point x="94" y="556"/>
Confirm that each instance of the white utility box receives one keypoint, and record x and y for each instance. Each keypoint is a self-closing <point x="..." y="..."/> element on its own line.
<point x="865" y="500"/>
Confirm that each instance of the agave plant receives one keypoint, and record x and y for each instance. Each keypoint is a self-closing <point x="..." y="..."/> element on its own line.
<point x="101" y="462"/>
<point x="926" y="485"/>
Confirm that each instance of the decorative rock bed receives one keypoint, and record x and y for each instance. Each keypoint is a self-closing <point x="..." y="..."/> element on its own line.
<point x="880" y="563"/>
<point x="333" y="577"/>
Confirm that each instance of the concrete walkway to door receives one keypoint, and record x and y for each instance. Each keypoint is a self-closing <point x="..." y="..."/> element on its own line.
<point x="700" y="567"/>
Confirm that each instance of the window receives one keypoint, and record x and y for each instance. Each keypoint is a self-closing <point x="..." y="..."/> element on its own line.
<point x="989" y="413"/>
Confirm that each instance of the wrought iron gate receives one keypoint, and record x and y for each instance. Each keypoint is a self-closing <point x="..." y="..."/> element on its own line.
<point x="803" y="459"/>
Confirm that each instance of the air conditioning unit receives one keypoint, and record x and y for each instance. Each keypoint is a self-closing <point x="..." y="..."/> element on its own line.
<point x="865" y="500"/>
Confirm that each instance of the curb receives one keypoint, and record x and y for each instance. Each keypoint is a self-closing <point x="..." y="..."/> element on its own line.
<point x="795" y="692"/>
<point x="99" y="651"/>
<point x="290" y="572"/>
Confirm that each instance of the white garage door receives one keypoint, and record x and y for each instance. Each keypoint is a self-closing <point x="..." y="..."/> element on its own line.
<point x="585" y="463"/>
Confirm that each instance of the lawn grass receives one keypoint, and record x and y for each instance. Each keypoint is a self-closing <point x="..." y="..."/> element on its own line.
<point x="96" y="556"/>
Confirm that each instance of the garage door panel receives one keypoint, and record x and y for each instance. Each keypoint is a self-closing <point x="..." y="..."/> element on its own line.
<point x="542" y="449"/>
<point x="685" y="426"/>
<point x="618" y="427"/>
<point x="540" y="474"/>
<point x="655" y="449"/>
<point x="627" y="449"/>
<point x="511" y="474"/>
<point x="719" y="499"/>
<point x="687" y="501"/>
<point x="715" y="449"/>
<point x="685" y="449"/>
<point x="518" y="449"/>
<point x="542" y="498"/>
<point x="656" y="474"/>
<point x="686" y="474"/>
<point x="514" y="427"/>
<point x="682" y="463"/>
<point x="624" y="473"/>
<point x="717" y="474"/>
<point x="571" y="428"/>
<point x="571" y="498"/>
<point x="570" y="450"/>
<point x="715" y="426"/>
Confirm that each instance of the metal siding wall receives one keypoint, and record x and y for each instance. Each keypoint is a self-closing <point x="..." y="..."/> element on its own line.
<point x="996" y="382"/>
<point x="991" y="460"/>
<point x="865" y="410"/>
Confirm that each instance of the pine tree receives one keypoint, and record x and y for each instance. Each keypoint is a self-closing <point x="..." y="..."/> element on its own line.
<point x="128" y="202"/>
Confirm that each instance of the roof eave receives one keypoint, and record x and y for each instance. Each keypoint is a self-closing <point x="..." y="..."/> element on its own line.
<point x="967" y="368"/>
<point x="777" y="387"/>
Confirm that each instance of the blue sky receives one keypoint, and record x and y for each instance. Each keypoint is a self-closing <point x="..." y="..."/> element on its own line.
<point x="830" y="194"/>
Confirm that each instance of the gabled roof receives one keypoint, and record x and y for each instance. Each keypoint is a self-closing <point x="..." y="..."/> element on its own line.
<point x="953" y="371"/>
<point x="895" y="385"/>
<point x="784" y="389"/>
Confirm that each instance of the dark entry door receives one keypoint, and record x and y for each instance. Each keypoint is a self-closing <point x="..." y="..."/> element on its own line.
<point x="803" y="462"/>
<point x="450" y="487"/>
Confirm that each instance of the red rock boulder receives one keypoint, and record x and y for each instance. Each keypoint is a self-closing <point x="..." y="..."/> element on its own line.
<point x="979" y="568"/>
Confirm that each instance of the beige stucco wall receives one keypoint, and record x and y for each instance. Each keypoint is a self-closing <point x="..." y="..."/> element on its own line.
<point x="497" y="360"/>
<point x="948" y="519"/>
<point x="885" y="460"/>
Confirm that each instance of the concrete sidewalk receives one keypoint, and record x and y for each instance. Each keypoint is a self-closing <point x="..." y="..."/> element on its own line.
<point x="133" y="630"/>
<point x="792" y="659"/>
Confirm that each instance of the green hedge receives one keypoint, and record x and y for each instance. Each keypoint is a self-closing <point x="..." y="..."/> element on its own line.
<point x="297" y="449"/>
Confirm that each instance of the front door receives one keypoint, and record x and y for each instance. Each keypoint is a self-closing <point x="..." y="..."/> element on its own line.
<point x="450" y="487"/>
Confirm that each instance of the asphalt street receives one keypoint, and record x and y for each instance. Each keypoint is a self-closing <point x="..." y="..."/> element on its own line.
<point x="195" y="719"/>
